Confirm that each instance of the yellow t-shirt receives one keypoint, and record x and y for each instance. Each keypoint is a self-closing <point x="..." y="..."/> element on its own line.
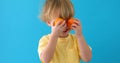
<point x="66" y="50"/>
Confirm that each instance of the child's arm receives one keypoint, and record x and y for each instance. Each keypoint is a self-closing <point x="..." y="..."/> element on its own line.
<point x="85" y="52"/>
<point x="48" y="52"/>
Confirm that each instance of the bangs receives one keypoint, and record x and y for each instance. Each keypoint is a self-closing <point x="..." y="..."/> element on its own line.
<point x="66" y="10"/>
<point x="52" y="7"/>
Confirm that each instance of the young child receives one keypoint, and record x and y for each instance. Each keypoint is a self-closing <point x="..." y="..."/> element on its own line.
<point x="60" y="46"/>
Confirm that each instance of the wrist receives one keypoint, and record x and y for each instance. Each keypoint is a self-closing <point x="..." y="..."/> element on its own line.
<point x="79" y="34"/>
<point x="54" y="35"/>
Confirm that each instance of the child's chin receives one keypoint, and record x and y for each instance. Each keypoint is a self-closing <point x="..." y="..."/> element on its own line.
<point x="65" y="33"/>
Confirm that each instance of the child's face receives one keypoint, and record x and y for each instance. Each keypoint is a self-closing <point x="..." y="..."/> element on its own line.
<point x="66" y="29"/>
<point x="64" y="32"/>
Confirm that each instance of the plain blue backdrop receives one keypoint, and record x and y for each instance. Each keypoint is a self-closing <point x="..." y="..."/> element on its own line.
<point x="21" y="29"/>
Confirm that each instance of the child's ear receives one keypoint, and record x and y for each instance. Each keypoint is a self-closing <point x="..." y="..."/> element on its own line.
<point x="48" y="23"/>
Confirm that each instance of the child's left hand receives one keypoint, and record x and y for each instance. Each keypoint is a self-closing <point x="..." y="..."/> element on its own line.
<point x="77" y="27"/>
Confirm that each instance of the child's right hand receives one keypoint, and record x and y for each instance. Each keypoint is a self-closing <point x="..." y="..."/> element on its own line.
<point x="58" y="28"/>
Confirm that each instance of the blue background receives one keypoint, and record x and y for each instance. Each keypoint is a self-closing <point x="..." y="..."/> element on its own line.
<point x="21" y="29"/>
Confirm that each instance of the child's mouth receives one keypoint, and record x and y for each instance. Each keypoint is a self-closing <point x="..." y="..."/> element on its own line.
<point x="65" y="30"/>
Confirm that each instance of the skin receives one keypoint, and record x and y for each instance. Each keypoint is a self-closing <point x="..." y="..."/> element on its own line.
<point x="85" y="52"/>
<point x="56" y="32"/>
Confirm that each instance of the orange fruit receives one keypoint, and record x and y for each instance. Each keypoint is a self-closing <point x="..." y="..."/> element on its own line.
<point x="70" y="22"/>
<point x="57" y="20"/>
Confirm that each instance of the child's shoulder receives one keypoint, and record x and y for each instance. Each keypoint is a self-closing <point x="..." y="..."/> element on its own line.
<point x="45" y="37"/>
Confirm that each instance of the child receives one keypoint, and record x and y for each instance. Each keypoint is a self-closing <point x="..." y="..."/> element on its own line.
<point x="60" y="46"/>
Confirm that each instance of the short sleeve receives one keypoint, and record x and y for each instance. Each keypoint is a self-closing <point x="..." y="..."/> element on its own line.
<point x="42" y="44"/>
<point x="76" y="43"/>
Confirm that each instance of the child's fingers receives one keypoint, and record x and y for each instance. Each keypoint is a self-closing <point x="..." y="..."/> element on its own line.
<point x="59" y="23"/>
<point x="64" y="27"/>
<point x="52" y="22"/>
<point x="76" y="19"/>
<point x="62" y="24"/>
<point x="73" y="28"/>
<point x="74" y="25"/>
<point x="77" y="22"/>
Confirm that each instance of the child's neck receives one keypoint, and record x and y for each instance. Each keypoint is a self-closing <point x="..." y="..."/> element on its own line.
<point x="63" y="36"/>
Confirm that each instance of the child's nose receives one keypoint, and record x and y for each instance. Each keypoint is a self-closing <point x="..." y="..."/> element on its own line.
<point x="66" y="27"/>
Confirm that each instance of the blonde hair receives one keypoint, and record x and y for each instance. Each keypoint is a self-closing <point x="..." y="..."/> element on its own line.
<point x="63" y="7"/>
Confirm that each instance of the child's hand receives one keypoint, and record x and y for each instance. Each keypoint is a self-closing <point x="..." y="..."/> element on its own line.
<point x="77" y="27"/>
<point x="58" y="28"/>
